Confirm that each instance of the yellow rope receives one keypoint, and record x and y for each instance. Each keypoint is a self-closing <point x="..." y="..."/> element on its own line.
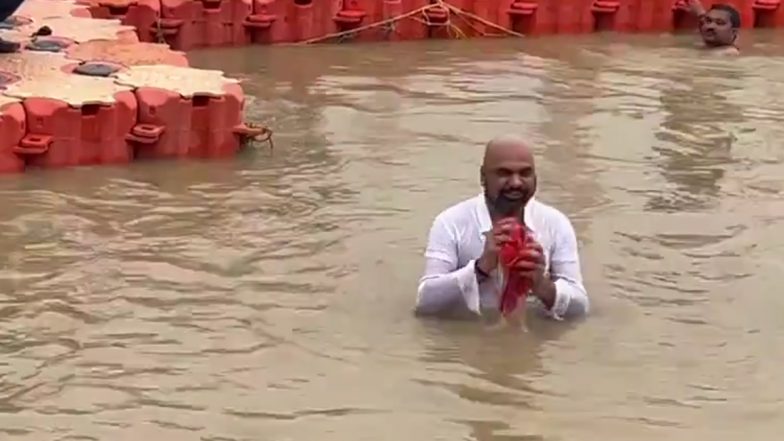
<point x="440" y="4"/>
<point x="369" y="26"/>
<point x="461" y="12"/>
<point x="472" y="26"/>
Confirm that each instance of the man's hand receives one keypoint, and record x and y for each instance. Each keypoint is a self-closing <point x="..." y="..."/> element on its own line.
<point x="696" y="7"/>
<point x="494" y="239"/>
<point x="531" y="263"/>
<point x="532" y="266"/>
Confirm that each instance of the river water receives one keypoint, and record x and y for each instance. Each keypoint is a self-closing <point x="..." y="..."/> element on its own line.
<point x="269" y="297"/>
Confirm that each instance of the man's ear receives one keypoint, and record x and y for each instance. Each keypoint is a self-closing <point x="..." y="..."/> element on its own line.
<point x="482" y="176"/>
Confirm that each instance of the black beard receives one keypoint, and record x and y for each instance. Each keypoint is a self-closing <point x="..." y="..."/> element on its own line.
<point x="504" y="207"/>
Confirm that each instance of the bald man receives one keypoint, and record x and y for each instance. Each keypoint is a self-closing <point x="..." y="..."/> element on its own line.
<point x="461" y="274"/>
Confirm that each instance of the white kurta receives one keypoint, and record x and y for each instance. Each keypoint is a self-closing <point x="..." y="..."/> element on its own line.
<point x="456" y="240"/>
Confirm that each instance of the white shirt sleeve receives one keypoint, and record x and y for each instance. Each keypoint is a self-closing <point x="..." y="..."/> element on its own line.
<point x="445" y="287"/>
<point x="571" y="298"/>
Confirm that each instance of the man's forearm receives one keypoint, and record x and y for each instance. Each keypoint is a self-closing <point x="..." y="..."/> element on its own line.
<point x="438" y="294"/>
<point x="562" y="298"/>
<point x="696" y="7"/>
<point x="546" y="291"/>
<point x="440" y="291"/>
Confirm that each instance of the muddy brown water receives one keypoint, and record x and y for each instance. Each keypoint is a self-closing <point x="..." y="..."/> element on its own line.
<point x="269" y="297"/>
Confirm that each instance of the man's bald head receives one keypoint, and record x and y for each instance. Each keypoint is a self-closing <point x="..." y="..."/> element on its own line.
<point x="508" y="174"/>
<point x="506" y="147"/>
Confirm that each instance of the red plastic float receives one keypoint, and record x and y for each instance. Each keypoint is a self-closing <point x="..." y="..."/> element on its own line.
<point x="614" y="15"/>
<point x="60" y="112"/>
<point x="77" y="126"/>
<point x="529" y="17"/>
<point x="185" y="112"/>
<point x="12" y="130"/>
<point x="438" y="22"/>
<point x="176" y="24"/>
<point x="217" y="127"/>
<point x="768" y="13"/>
<point x="163" y="129"/>
<point x="533" y="17"/>
<point x="189" y="24"/>
<point x="389" y="10"/>
<point x="268" y="23"/>
<point x="349" y="15"/>
<point x="411" y="28"/>
<point x="126" y="54"/>
<point x="221" y="21"/>
<point x="173" y="126"/>
<point x="142" y="14"/>
<point x="664" y="16"/>
<point x="310" y="20"/>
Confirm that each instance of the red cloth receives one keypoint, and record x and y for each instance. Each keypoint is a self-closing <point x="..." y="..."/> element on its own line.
<point x="517" y="286"/>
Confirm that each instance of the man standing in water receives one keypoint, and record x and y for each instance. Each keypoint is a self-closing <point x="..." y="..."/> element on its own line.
<point x="719" y="26"/>
<point x="462" y="250"/>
